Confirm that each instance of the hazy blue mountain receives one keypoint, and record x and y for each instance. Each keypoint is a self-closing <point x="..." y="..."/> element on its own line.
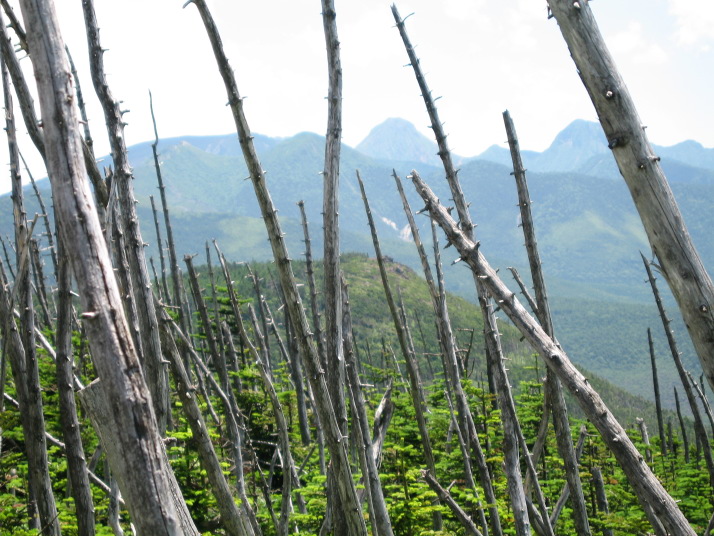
<point x="689" y="152"/>
<point x="588" y="230"/>
<point x="398" y="140"/>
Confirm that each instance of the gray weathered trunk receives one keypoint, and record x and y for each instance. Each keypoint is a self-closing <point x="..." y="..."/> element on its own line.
<point x="131" y="419"/>
<point x="154" y="369"/>
<point x="324" y="405"/>
<point x="555" y="390"/>
<point x="667" y="233"/>
<point x="650" y="492"/>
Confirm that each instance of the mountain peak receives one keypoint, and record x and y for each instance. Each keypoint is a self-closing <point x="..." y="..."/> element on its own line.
<point x="398" y="140"/>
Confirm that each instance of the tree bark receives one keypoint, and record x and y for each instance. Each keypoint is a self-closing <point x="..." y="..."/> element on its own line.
<point x="131" y="419"/>
<point x="382" y="525"/>
<point x="24" y="363"/>
<point x="415" y="388"/>
<point x="324" y="404"/>
<point x="699" y="430"/>
<point x="667" y="233"/>
<point x="155" y="370"/>
<point x="557" y="400"/>
<point x="658" y="401"/>
<point x="648" y="489"/>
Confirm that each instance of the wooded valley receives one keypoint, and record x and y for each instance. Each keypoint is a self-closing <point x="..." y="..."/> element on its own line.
<point x="324" y="392"/>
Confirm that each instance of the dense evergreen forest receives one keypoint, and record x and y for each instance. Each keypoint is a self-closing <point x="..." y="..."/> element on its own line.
<point x="332" y="394"/>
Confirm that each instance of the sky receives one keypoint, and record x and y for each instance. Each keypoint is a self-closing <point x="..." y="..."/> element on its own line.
<point x="480" y="56"/>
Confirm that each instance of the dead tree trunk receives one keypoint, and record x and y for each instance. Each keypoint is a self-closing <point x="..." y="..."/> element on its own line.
<point x="155" y="370"/>
<point x="601" y="497"/>
<point x="24" y="363"/>
<point x="658" y="401"/>
<point x="382" y="525"/>
<point x="699" y="430"/>
<point x="555" y="390"/>
<point x="648" y="489"/>
<point x="324" y="405"/>
<point x="415" y="389"/>
<point x="76" y="462"/>
<point x="132" y="421"/>
<point x="668" y="235"/>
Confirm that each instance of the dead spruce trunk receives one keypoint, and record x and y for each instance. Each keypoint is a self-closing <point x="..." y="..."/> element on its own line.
<point x="667" y="233"/>
<point x="652" y="496"/>
<point x="132" y="421"/>
<point x="555" y="391"/>
<point x="233" y="519"/>
<point x="324" y="404"/>
<point x="335" y="371"/>
<point x="154" y="369"/>
<point x="71" y="430"/>
<point x="25" y="367"/>
<point x="382" y="525"/>
<point x="658" y="401"/>
<point x="699" y="430"/>
<point x="415" y="388"/>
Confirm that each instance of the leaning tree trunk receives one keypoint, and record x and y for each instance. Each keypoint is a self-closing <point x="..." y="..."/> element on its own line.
<point x="133" y="424"/>
<point x="24" y="364"/>
<point x="667" y="233"/>
<point x="553" y="387"/>
<point x="653" y="498"/>
<point x="352" y="509"/>
<point x="154" y="367"/>
<point x="334" y="352"/>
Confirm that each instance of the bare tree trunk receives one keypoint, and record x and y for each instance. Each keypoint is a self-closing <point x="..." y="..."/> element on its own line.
<point x="156" y="373"/>
<point x="76" y="462"/>
<point x="557" y="400"/>
<point x="415" y="389"/>
<point x="699" y="430"/>
<point x="132" y="422"/>
<point x="24" y="358"/>
<point x="382" y="525"/>
<point x="331" y="259"/>
<point x="658" y="401"/>
<point x="176" y="278"/>
<point x="681" y="266"/>
<point x="232" y="518"/>
<point x="324" y="405"/>
<point x="601" y="497"/>
<point x="160" y="248"/>
<point x="648" y="489"/>
<point x="683" y="429"/>
<point x="446" y="498"/>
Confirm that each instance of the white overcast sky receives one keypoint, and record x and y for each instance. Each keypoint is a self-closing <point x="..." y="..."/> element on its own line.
<point x="480" y="56"/>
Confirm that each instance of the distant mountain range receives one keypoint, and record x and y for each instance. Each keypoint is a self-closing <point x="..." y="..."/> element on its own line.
<point x="588" y="230"/>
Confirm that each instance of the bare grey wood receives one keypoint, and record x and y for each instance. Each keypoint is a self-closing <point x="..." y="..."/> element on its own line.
<point x="601" y="497"/>
<point x="232" y="518"/>
<point x="154" y="369"/>
<point x="682" y="427"/>
<point x="382" y="525"/>
<point x="335" y="371"/>
<point x="352" y="509"/>
<point x="415" y="388"/>
<point x="24" y="363"/>
<point x="71" y="430"/>
<point x="658" y="401"/>
<point x="669" y="238"/>
<point x="160" y="247"/>
<point x="133" y="424"/>
<point x="447" y="499"/>
<point x="699" y="430"/>
<point x="557" y="400"/>
<point x="456" y="194"/>
<point x="648" y="489"/>
<point x="99" y="405"/>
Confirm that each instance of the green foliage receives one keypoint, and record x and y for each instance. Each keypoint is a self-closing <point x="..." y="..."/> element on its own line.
<point x="410" y="501"/>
